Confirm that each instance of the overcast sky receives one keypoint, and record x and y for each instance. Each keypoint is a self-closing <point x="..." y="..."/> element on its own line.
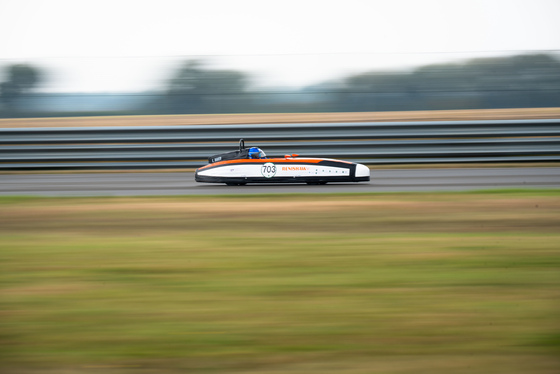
<point x="127" y="45"/>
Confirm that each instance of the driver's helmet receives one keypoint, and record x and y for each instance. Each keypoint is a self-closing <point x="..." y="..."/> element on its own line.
<point x="255" y="152"/>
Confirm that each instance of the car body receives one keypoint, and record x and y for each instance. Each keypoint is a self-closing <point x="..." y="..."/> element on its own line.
<point x="238" y="168"/>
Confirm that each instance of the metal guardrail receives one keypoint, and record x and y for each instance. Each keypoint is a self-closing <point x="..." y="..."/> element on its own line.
<point x="370" y="143"/>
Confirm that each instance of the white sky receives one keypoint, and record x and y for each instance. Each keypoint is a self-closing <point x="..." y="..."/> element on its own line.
<point x="128" y="45"/>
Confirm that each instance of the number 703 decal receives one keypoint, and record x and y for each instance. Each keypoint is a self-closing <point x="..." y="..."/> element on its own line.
<point x="268" y="170"/>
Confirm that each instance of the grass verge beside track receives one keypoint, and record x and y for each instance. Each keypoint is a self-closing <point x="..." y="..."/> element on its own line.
<point x="259" y="118"/>
<point x="391" y="283"/>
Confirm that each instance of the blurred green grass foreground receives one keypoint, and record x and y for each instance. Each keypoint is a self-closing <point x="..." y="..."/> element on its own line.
<point x="379" y="283"/>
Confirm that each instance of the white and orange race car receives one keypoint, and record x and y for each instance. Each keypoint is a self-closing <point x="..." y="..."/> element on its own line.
<point x="251" y="165"/>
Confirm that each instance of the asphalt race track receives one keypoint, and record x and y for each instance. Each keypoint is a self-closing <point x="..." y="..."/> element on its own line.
<point x="178" y="183"/>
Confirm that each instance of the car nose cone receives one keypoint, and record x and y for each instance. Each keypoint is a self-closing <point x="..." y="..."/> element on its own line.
<point x="362" y="171"/>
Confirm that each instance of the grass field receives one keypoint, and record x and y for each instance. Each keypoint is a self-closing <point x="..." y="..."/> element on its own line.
<point x="256" y="118"/>
<point x="373" y="283"/>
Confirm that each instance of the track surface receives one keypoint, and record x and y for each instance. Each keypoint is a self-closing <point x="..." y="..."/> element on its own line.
<point x="138" y="184"/>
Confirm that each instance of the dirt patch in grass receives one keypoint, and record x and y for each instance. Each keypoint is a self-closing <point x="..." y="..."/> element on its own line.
<point x="215" y="206"/>
<point x="366" y="213"/>
<point x="47" y="289"/>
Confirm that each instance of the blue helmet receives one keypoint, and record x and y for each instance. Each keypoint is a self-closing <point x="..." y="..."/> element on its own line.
<point x="255" y="152"/>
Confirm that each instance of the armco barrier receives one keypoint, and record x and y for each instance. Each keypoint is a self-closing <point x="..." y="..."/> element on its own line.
<point x="370" y="143"/>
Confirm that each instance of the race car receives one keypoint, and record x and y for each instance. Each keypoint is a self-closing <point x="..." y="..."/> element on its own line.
<point x="251" y="165"/>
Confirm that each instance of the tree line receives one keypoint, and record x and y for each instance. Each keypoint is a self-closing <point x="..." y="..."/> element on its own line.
<point x="531" y="80"/>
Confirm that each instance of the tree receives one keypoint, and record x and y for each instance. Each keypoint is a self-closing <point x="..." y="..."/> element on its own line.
<point x="195" y="89"/>
<point x="531" y="80"/>
<point x="21" y="79"/>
